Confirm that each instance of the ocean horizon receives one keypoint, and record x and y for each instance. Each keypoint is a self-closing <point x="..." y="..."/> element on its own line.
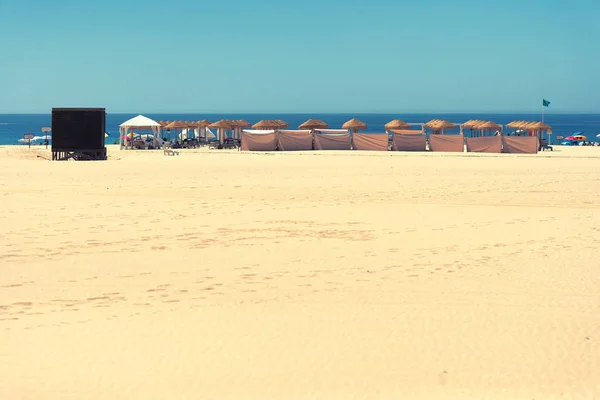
<point x="14" y="126"/>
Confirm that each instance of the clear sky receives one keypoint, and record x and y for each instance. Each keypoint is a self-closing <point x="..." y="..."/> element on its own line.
<point x="300" y="56"/>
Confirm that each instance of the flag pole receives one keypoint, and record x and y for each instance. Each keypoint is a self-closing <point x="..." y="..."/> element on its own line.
<point x="542" y="120"/>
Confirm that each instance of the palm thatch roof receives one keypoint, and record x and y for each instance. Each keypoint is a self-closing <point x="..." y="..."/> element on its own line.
<point x="472" y="123"/>
<point x="541" y="125"/>
<point x="354" y="124"/>
<point x="204" y="123"/>
<point x="396" y="124"/>
<point x="487" y="125"/>
<point x="222" y="124"/>
<point x="267" y="124"/>
<point x="240" y="123"/>
<point x="439" y="124"/>
<point x="313" y="124"/>
<point x="176" y="125"/>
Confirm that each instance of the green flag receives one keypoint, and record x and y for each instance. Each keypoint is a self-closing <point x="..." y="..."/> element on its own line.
<point x="545" y="103"/>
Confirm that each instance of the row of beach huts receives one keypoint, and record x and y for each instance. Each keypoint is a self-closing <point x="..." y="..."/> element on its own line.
<point x="275" y="135"/>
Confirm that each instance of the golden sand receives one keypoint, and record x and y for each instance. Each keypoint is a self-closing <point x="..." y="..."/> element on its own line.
<point x="343" y="275"/>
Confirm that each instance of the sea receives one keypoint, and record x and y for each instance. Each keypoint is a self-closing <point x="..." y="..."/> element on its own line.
<point x="14" y="126"/>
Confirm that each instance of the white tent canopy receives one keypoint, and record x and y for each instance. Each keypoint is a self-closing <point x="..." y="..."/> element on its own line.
<point x="139" y="123"/>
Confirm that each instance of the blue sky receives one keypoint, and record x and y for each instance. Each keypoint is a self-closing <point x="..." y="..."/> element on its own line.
<point x="299" y="56"/>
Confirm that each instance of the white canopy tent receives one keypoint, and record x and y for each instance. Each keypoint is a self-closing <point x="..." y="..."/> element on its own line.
<point x="139" y="123"/>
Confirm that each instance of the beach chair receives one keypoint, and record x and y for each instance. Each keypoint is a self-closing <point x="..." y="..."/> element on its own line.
<point x="544" y="145"/>
<point x="170" y="152"/>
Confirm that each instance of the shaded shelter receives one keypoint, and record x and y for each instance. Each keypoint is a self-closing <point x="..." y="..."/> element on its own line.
<point x="141" y="124"/>
<point x="221" y="127"/>
<point x="174" y="126"/>
<point x="354" y="125"/>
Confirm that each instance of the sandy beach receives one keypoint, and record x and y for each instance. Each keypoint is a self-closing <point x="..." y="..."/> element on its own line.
<point x="342" y="275"/>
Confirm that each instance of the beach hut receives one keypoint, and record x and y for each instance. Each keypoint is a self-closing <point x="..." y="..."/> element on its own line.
<point x="439" y="141"/>
<point x="221" y="126"/>
<point x="313" y="124"/>
<point x="485" y="137"/>
<point x="140" y="124"/>
<point x="526" y="137"/>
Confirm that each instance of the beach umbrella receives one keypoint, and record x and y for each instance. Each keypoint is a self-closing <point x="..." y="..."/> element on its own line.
<point x="354" y="124"/>
<point x="396" y="124"/>
<point x="266" y="124"/>
<point x="313" y="124"/>
<point x="129" y="136"/>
